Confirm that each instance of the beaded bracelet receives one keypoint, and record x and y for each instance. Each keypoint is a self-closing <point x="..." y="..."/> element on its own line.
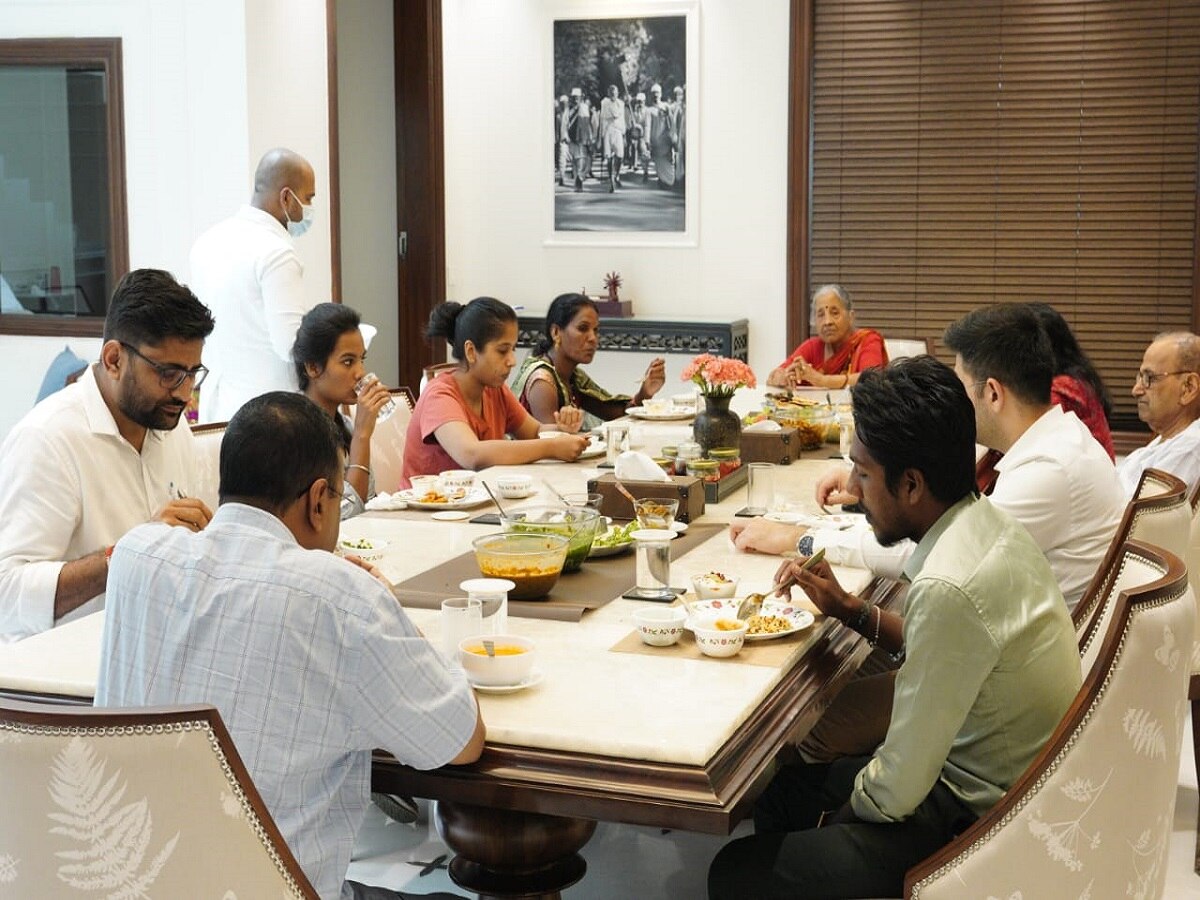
<point x="874" y="642"/>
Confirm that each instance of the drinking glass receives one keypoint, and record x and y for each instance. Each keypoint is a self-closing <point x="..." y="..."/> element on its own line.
<point x="616" y="435"/>
<point x="760" y="494"/>
<point x="462" y="617"/>
<point x="653" y="548"/>
<point x="492" y="594"/>
<point x="388" y="408"/>
<point x="845" y="433"/>
<point x="591" y="501"/>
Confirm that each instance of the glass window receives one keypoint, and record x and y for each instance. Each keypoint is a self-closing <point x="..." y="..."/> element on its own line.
<point x="63" y="242"/>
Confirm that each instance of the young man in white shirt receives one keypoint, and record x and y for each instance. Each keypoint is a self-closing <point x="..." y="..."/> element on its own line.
<point x="247" y="271"/>
<point x="101" y="456"/>
<point x="1167" y="388"/>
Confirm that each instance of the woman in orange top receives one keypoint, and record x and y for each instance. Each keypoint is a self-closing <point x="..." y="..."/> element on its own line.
<point x="838" y="353"/>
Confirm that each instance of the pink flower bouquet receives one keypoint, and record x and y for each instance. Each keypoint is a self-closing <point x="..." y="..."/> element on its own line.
<point x="719" y="376"/>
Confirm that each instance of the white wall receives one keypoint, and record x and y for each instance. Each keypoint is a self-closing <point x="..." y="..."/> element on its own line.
<point x="191" y="89"/>
<point x="367" y="169"/>
<point x="497" y="105"/>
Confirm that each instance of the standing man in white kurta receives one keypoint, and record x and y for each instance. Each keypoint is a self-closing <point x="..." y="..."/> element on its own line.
<point x="100" y="456"/>
<point x="247" y="272"/>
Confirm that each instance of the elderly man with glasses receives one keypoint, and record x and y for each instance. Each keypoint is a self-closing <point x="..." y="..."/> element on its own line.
<point x="1167" y="388"/>
<point x="101" y="456"/>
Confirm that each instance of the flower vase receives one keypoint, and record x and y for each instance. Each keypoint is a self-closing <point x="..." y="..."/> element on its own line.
<point x="717" y="425"/>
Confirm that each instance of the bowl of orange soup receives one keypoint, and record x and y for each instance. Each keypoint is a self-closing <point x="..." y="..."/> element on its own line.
<point x="512" y="663"/>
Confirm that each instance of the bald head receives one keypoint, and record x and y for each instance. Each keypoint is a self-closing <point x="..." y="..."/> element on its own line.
<point x="283" y="180"/>
<point x="1184" y="348"/>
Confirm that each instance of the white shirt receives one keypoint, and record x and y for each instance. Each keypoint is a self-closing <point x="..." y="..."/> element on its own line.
<point x="71" y="486"/>
<point x="1056" y="480"/>
<point x="310" y="660"/>
<point x="1179" y="455"/>
<point x="246" y="271"/>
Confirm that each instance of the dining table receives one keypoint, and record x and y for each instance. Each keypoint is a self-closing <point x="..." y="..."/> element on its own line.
<point x="613" y="730"/>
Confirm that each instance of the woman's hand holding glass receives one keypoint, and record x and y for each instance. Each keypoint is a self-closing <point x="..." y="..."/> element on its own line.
<point x="372" y="398"/>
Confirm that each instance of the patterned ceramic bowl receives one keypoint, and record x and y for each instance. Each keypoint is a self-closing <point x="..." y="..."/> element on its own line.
<point x="719" y="635"/>
<point x="660" y="626"/>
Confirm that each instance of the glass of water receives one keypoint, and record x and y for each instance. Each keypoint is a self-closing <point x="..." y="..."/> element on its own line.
<point x="388" y="408"/>
<point x="654" y="563"/>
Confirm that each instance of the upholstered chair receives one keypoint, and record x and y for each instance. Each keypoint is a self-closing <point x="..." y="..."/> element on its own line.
<point x="387" y="442"/>
<point x="133" y="803"/>
<point x="1091" y="816"/>
<point x="1158" y="514"/>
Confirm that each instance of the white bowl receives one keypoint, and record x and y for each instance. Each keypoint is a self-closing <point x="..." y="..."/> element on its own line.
<point x="714" y="586"/>
<point x="660" y="626"/>
<point x="501" y="669"/>
<point x="714" y="641"/>
<point x="456" y="483"/>
<point x="514" y="487"/>
<point x="423" y="484"/>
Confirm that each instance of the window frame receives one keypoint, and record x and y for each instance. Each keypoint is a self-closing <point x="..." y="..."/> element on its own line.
<point x="96" y="53"/>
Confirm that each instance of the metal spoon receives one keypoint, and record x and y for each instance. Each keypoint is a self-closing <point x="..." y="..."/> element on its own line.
<point x="625" y="493"/>
<point x="495" y="499"/>
<point x="552" y="490"/>
<point x="753" y="602"/>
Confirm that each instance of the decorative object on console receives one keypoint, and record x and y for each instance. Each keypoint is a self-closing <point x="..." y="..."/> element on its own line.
<point x="718" y="377"/>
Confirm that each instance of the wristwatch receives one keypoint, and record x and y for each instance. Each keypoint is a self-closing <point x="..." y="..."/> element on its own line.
<point x="804" y="546"/>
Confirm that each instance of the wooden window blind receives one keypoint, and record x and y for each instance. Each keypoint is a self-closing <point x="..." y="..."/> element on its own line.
<point x="967" y="152"/>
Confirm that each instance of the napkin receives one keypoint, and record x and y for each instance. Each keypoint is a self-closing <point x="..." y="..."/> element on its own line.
<point x="385" y="501"/>
<point x="633" y="465"/>
<point x="763" y="425"/>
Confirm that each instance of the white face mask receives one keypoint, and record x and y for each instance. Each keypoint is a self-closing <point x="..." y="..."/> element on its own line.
<point x="295" y="229"/>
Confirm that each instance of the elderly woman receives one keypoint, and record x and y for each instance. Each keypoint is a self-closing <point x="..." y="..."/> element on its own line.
<point x="550" y="377"/>
<point x="835" y="357"/>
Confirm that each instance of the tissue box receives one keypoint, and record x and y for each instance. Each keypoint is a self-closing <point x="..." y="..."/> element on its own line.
<point x="779" y="447"/>
<point x="687" y="489"/>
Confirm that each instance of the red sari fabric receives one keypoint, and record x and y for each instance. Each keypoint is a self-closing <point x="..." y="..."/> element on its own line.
<point x="862" y="350"/>
<point x="1078" y="397"/>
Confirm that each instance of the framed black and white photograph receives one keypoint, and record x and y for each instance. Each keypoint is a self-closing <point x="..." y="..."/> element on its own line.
<point x="624" y="126"/>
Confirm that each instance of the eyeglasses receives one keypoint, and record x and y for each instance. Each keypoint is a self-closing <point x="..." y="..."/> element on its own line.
<point x="169" y="377"/>
<point x="1147" y="379"/>
<point x="329" y="489"/>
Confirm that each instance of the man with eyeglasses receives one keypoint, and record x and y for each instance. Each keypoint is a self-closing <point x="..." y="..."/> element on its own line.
<point x="1167" y="388"/>
<point x="309" y="657"/>
<point x="101" y="456"/>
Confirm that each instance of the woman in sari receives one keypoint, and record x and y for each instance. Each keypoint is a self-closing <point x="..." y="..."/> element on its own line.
<point x="550" y="377"/>
<point x="834" y="358"/>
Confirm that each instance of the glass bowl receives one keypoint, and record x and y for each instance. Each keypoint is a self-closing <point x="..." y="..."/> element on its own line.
<point x="532" y="562"/>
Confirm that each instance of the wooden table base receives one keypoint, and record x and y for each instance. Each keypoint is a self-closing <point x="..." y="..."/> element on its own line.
<point x="508" y="854"/>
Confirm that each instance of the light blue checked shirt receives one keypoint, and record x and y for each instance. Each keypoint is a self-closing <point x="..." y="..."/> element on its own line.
<point x="311" y="662"/>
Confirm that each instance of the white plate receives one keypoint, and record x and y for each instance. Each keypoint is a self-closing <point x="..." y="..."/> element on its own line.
<point x="838" y="521"/>
<point x="477" y="497"/>
<point x="613" y="550"/>
<point x="374" y="551"/>
<point x="799" y="618"/>
<point x="593" y="449"/>
<point x="535" y="677"/>
<point x="679" y="527"/>
<point x="450" y="515"/>
<point x="671" y="415"/>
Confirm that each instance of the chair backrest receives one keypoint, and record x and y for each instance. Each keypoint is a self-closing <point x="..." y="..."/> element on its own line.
<point x="428" y="373"/>
<point x="387" y="442"/>
<point x="206" y="475"/>
<point x="139" y="802"/>
<point x="1095" y="807"/>
<point x="897" y="348"/>
<point x="1158" y="514"/>
<point x="1193" y="563"/>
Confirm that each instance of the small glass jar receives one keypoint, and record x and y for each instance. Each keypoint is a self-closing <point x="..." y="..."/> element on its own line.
<point x="666" y="463"/>
<point x="688" y="451"/>
<point x="669" y="450"/>
<point x="728" y="459"/>
<point x="704" y="469"/>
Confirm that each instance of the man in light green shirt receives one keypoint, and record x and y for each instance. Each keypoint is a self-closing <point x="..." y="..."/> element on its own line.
<point x="990" y="661"/>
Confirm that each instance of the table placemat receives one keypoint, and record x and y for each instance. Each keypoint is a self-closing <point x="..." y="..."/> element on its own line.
<point x="773" y="653"/>
<point x="600" y="581"/>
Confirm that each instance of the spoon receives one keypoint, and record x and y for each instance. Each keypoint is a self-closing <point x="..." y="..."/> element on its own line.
<point x="495" y="499"/>
<point x="490" y="647"/>
<point x="753" y="602"/>
<point x="625" y="493"/>
<point x="554" y="491"/>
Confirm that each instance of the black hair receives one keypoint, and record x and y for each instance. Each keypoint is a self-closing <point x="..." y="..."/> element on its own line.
<point x="562" y="310"/>
<point x="1069" y="358"/>
<point x="274" y="448"/>
<point x="480" y="321"/>
<point x="149" y="306"/>
<point x="915" y="414"/>
<point x="318" y="334"/>
<point x="1008" y="343"/>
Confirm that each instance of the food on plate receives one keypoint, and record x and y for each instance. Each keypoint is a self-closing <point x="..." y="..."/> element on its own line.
<point x="727" y="625"/>
<point x="714" y="579"/>
<point x="759" y="624"/>
<point x="616" y="536"/>
<point x="360" y="544"/>
<point x="434" y="497"/>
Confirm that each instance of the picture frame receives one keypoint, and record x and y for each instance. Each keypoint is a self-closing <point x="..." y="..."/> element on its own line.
<point x="592" y="47"/>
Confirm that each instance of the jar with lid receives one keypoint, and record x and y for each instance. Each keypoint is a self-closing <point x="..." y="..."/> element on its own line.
<point x="704" y="469"/>
<point x="728" y="459"/>
<point x="688" y="450"/>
